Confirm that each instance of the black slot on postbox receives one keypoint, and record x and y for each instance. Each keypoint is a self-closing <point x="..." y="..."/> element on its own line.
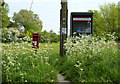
<point x="81" y="23"/>
<point x="35" y="40"/>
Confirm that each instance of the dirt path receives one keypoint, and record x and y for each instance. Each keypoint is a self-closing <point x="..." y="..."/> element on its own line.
<point x="118" y="45"/>
<point x="61" y="80"/>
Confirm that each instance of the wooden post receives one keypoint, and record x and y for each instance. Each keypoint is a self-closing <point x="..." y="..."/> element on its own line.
<point x="63" y="25"/>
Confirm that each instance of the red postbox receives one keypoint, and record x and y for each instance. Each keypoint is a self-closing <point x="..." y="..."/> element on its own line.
<point x="35" y="40"/>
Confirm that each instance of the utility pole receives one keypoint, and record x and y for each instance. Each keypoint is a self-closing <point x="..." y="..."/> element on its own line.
<point x="63" y="25"/>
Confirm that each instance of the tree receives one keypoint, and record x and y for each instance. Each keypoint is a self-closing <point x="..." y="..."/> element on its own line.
<point x="109" y="13"/>
<point x="29" y="20"/>
<point x="12" y="24"/>
<point x="106" y="20"/>
<point x="33" y="27"/>
<point x="4" y="9"/>
<point x="9" y="34"/>
<point x="98" y="24"/>
<point x="53" y="37"/>
<point x="44" y="37"/>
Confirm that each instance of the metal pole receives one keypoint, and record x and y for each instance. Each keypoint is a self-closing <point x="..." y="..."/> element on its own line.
<point x="63" y="25"/>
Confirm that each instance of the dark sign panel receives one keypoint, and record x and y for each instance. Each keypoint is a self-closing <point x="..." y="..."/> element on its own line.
<point x="81" y="23"/>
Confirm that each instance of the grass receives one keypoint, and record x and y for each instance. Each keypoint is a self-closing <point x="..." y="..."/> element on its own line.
<point x="20" y="64"/>
<point x="85" y="61"/>
<point x="91" y="60"/>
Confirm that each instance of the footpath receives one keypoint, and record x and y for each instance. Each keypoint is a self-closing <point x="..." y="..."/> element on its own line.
<point x="61" y="80"/>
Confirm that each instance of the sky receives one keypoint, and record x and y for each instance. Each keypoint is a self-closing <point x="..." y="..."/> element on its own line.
<point x="49" y="10"/>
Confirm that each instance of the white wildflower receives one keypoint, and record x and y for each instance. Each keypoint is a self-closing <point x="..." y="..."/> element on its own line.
<point x="77" y="65"/>
<point x="25" y="80"/>
<point x="81" y="69"/>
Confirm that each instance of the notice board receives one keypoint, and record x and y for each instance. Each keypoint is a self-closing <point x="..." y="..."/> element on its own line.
<point x="81" y="23"/>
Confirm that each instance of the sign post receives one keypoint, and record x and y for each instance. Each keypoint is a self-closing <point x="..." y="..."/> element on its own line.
<point x="63" y="25"/>
<point x="35" y="42"/>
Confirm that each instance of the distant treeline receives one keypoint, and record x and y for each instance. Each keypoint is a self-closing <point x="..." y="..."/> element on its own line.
<point x="105" y="21"/>
<point x="27" y="20"/>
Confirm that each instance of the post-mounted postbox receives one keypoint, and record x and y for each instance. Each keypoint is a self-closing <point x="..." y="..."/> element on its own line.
<point x="35" y="40"/>
<point x="81" y="23"/>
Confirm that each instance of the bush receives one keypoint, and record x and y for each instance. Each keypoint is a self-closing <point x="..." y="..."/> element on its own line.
<point x="26" y="66"/>
<point x="9" y="35"/>
<point x="92" y="59"/>
<point x="27" y="39"/>
<point x="13" y="35"/>
<point x="49" y="37"/>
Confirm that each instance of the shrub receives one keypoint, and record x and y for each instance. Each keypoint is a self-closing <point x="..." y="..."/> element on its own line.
<point x="27" y="39"/>
<point x="9" y="35"/>
<point x="91" y="59"/>
<point x="26" y="66"/>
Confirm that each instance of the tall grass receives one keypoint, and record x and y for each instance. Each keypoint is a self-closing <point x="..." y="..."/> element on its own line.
<point x="92" y="59"/>
<point x="21" y="64"/>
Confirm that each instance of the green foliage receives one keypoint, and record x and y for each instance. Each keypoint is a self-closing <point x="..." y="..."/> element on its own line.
<point x="54" y="38"/>
<point x="109" y="13"/>
<point x="12" y="24"/>
<point x="27" y="39"/>
<point x="29" y="20"/>
<point x="13" y="35"/>
<point x="9" y="35"/>
<point x="106" y="20"/>
<point x="48" y="37"/>
<point x="98" y="24"/>
<point x="26" y="66"/>
<point x="55" y="58"/>
<point x="91" y="59"/>
<point x="33" y="27"/>
<point x="44" y="37"/>
<point x="4" y="9"/>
